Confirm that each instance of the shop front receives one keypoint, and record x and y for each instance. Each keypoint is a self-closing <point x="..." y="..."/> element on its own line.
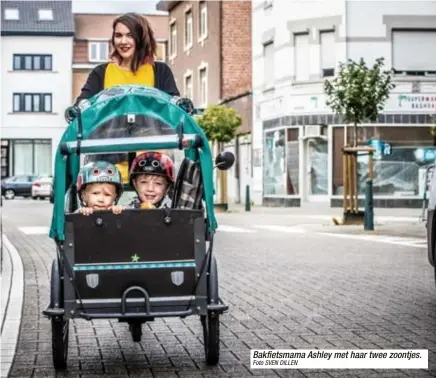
<point x="403" y="153"/>
<point x="302" y="152"/>
<point x="26" y="156"/>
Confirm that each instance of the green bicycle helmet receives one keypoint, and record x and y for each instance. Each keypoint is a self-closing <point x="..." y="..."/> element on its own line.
<point x="100" y="172"/>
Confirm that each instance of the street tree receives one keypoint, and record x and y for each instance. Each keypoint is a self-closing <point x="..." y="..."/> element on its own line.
<point x="220" y="123"/>
<point x="359" y="92"/>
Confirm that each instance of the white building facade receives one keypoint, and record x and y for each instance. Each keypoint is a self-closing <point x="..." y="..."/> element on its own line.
<point x="297" y="139"/>
<point x="37" y="48"/>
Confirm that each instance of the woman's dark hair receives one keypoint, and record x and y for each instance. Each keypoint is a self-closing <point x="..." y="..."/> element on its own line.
<point x="143" y="35"/>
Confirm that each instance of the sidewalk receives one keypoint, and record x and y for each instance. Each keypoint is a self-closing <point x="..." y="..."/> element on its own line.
<point x="12" y="293"/>
<point x="324" y="210"/>
<point x="397" y="229"/>
<point x="396" y="222"/>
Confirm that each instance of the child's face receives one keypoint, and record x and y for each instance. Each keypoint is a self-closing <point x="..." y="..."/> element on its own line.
<point x="99" y="195"/>
<point x="151" y="188"/>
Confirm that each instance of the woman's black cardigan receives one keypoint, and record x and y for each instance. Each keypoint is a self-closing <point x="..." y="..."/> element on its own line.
<point x="163" y="80"/>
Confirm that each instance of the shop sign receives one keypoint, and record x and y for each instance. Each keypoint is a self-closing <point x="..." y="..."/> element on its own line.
<point x="417" y="101"/>
<point x="271" y="108"/>
<point x="308" y="104"/>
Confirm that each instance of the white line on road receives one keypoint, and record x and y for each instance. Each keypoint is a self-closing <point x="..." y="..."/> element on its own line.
<point x="225" y="228"/>
<point x="12" y="321"/>
<point x="291" y="229"/>
<point x="297" y="229"/>
<point x="34" y="230"/>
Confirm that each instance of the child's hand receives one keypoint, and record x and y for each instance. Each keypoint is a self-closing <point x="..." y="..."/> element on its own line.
<point x="147" y="205"/>
<point x="86" y="210"/>
<point x="117" y="209"/>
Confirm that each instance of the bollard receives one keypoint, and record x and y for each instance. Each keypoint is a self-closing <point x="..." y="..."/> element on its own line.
<point x="369" y="207"/>
<point x="247" y="198"/>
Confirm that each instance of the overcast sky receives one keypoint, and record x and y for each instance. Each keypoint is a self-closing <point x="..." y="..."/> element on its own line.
<point x="115" y="6"/>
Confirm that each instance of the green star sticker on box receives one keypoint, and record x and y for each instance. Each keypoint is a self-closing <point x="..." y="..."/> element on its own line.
<point x="135" y="258"/>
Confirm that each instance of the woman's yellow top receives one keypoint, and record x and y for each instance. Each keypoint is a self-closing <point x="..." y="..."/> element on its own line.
<point x="114" y="76"/>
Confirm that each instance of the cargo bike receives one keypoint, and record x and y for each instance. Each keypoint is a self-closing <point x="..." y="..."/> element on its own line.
<point x="141" y="264"/>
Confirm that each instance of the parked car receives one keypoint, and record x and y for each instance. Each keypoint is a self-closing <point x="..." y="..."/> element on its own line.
<point x="20" y="185"/>
<point x="42" y="187"/>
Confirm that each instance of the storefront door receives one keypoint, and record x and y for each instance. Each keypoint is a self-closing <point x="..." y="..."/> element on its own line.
<point x="316" y="172"/>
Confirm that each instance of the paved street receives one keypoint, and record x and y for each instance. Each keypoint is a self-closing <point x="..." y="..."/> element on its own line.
<point x="290" y="282"/>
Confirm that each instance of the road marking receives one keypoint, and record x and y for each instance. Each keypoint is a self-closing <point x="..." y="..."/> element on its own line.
<point x="381" y="218"/>
<point x="408" y="242"/>
<point x="289" y="229"/>
<point x="403" y="241"/>
<point x="225" y="228"/>
<point x="12" y="318"/>
<point x="34" y="230"/>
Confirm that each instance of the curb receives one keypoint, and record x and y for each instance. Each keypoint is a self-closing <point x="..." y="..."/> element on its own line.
<point x="10" y="327"/>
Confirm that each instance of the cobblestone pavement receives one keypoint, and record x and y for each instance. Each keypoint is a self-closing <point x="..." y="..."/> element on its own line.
<point x="284" y="291"/>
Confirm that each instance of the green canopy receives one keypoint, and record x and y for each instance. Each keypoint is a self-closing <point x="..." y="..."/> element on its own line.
<point x="135" y="118"/>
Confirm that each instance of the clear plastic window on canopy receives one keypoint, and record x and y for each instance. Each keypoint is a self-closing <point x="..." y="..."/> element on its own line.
<point x="129" y="126"/>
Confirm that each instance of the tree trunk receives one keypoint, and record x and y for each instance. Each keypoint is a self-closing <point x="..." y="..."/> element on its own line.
<point x="355" y="191"/>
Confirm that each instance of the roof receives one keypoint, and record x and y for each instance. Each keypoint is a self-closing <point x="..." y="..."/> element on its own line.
<point x="167" y="6"/>
<point x="29" y="23"/>
<point x="89" y="26"/>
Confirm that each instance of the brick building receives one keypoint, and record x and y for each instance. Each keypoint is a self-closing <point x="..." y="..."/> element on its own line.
<point x="92" y="44"/>
<point x="209" y="51"/>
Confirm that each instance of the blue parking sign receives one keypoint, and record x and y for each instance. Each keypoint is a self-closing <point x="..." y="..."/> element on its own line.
<point x="381" y="148"/>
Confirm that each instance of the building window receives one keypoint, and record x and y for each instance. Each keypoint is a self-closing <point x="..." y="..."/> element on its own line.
<point x="292" y="161"/>
<point x="301" y="51"/>
<point x="274" y="166"/>
<point x="203" y="20"/>
<point x="328" y="56"/>
<point x="30" y="157"/>
<point x="32" y="102"/>
<point x="12" y="14"/>
<point x="188" y="29"/>
<point x="414" y="52"/>
<point x="268" y="65"/>
<point x="203" y="86"/>
<point x="45" y="14"/>
<point x="4" y="158"/>
<point x="188" y="87"/>
<point x="161" y="52"/>
<point x="281" y="156"/>
<point x="173" y="40"/>
<point x="98" y="51"/>
<point x="32" y="62"/>
<point x="398" y="170"/>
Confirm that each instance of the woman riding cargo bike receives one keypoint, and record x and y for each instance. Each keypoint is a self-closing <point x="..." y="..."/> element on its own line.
<point x="134" y="265"/>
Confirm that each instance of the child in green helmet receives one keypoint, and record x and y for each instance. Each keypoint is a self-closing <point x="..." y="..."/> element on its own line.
<point x="99" y="186"/>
